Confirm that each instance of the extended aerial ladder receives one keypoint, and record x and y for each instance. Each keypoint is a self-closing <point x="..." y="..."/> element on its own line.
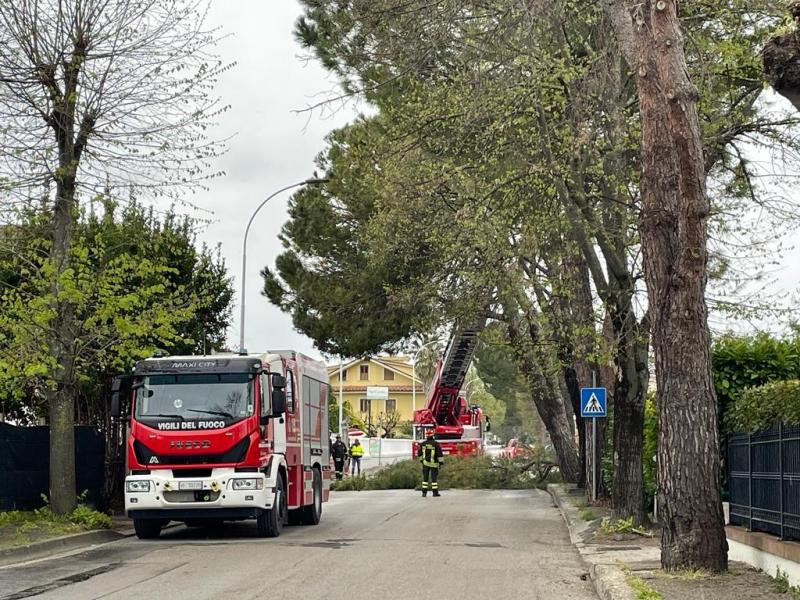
<point x="458" y="428"/>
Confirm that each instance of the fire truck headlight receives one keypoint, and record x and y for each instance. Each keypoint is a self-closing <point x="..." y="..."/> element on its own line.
<point x="137" y="486"/>
<point x="248" y="484"/>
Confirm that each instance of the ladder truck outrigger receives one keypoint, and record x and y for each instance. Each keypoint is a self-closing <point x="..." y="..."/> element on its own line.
<point x="458" y="428"/>
<point x="224" y="438"/>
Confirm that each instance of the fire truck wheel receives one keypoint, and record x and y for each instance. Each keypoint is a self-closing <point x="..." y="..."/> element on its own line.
<point x="147" y="529"/>
<point x="313" y="513"/>
<point x="270" y="522"/>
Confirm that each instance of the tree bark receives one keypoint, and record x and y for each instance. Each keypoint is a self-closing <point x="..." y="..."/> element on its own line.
<point x="630" y="385"/>
<point x="673" y="231"/>
<point x="781" y="58"/>
<point x="548" y="401"/>
<point x="61" y="399"/>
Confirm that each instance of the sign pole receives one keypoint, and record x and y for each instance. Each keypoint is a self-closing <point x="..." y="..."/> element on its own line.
<point x="594" y="446"/>
<point x="593" y="406"/>
<point x="341" y="396"/>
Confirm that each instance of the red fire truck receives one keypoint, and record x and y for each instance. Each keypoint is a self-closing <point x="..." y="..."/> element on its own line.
<point x="226" y="437"/>
<point x="459" y="429"/>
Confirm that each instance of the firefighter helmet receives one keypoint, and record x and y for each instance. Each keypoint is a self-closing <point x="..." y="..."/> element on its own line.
<point x="430" y="431"/>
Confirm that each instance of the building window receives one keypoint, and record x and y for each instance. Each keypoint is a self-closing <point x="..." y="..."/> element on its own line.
<point x="344" y="375"/>
<point x="364" y="405"/>
<point x="391" y="405"/>
<point x="388" y="375"/>
<point x="363" y="372"/>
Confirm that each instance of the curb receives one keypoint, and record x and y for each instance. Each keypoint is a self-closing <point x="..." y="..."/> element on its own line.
<point x="553" y="490"/>
<point x="609" y="581"/>
<point x="63" y="543"/>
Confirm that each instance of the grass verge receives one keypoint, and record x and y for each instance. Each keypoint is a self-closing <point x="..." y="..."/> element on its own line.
<point x="780" y="584"/>
<point x="640" y="587"/>
<point x="18" y="527"/>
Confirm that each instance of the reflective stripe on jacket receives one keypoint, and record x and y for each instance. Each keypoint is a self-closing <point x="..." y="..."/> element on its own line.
<point x="430" y="453"/>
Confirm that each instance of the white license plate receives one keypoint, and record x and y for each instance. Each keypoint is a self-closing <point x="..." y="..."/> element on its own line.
<point x="190" y="485"/>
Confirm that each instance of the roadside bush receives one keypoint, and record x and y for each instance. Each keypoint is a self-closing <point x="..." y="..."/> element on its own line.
<point x="763" y="407"/>
<point x="89" y="519"/>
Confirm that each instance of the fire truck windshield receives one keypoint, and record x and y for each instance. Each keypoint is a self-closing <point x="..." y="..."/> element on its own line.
<point x="196" y="401"/>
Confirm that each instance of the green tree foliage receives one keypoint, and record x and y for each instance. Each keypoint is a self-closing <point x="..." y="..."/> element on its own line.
<point x="338" y="293"/>
<point x="495" y="365"/>
<point x="504" y="152"/>
<point x="97" y="95"/>
<point x="138" y="283"/>
<point x="478" y="393"/>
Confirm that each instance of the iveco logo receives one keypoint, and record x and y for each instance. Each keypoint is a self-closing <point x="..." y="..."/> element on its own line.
<point x="190" y="444"/>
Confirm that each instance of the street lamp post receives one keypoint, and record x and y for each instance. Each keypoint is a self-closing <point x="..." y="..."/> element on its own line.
<point x="312" y="181"/>
<point x="341" y="396"/>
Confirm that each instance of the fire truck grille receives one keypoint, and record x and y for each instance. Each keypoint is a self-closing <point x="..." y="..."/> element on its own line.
<point x="145" y="456"/>
<point x="191" y="496"/>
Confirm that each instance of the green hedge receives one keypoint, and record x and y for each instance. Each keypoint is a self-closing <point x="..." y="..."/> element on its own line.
<point x="763" y="407"/>
<point x="742" y="362"/>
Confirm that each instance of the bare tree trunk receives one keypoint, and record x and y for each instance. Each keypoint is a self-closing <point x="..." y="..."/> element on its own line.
<point x="62" y="399"/>
<point x="548" y="401"/>
<point x="673" y="231"/>
<point x="574" y="391"/>
<point x="627" y="490"/>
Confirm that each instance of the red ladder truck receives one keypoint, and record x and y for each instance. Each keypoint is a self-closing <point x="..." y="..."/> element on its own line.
<point x="459" y="428"/>
<point x="225" y="437"/>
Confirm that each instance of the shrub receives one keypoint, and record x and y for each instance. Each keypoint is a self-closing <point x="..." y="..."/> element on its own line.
<point x="88" y="518"/>
<point x="764" y="406"/>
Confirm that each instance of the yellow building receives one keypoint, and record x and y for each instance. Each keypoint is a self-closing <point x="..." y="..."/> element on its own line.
<point x="392" y="372"/>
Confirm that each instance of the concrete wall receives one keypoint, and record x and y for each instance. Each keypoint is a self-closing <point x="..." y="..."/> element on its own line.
<point x="764" y="551"/>
<point x="384" y="447"/>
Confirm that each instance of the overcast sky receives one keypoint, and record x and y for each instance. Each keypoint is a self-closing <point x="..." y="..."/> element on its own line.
<point x="273" y="147"/>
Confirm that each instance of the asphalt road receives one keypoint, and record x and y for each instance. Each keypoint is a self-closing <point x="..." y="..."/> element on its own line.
<point x="495" y="545"/>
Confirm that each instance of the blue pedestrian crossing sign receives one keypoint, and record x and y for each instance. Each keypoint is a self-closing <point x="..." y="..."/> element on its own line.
<point x="593" y="402"/>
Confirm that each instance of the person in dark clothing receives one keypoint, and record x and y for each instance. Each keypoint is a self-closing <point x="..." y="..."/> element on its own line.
<point x="339" y="454"/>
<point x="431" y="456"/>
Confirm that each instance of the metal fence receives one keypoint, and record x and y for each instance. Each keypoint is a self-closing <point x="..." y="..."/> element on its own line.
<point x="25" y="465"/>
<point x="764" y="481"/>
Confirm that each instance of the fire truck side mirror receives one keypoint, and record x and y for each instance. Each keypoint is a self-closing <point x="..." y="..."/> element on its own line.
<point x="278" y="381"/>
<point x="278" y="402"/>
<point x="120" y="392"/>
<point x="488" y="424"/>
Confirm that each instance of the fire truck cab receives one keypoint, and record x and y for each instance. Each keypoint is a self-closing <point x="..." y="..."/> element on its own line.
<point x="225" y="437"/>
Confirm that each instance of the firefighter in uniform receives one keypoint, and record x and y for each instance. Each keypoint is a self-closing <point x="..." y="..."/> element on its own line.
<point x="339" y="454"/>
<point x="431" y="456"/>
